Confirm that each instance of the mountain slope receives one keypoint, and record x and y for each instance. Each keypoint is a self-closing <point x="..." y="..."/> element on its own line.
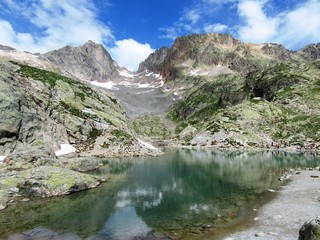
<point x="211" y="54"/>
<point x="40" y="110"/>
<point x="89" y="62"/>
<point x="239" y="94"/>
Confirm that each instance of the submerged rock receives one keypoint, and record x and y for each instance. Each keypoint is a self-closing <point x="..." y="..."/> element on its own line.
<point x="43" y="233"/>
<point x="310" y="230"/>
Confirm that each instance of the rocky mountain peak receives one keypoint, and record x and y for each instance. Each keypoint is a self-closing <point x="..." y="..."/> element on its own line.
<point x="200" y="40"/>
<point x="6" y="48"/>
<point x="277" y="50"/>
<point x="217" y="53"/>
<point x="89" y="62"/>
<point x="311" y="52"/>
<point x="155" y="61"/>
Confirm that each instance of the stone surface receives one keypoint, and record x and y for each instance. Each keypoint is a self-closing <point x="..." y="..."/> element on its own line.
<point x="54" y="181"/>
<point x="310" y="230"/>
<point x="155" y="61"/>
<point x="44" y="234"/>
<point x="49" y="111"/>
<point x="89" y="62"/>
<point x="283" y="217"/>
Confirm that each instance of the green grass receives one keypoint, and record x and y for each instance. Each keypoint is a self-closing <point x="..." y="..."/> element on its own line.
<point x="94" y="133"/>
<point x="81" y="95"/>
<point x="74" y="111"/>
<point x="120" y="134"/>
<point x="49" y="78"/>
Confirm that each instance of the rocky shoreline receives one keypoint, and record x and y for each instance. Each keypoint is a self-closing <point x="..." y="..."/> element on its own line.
<point x="295" y="205"/>
<point x="47" y="177"/>
<point x="20" y="181"/>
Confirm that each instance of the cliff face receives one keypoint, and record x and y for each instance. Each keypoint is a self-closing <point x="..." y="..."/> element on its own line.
<point x="155" y="61"/>
<point x="89" y="62"/>
<point x="241" y="94"/>
<point x="208" y="51"/>
<point x="311" y="52"/>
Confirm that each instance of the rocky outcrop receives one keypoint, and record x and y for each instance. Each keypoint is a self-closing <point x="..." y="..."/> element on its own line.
<point x="89" y="62"/>
<point x="54" y="181"/>
<point x="311" y="52"/>
<point x="310" y="230"/>
<point x="41" y="110"/>
<point x="209" y="51"/>
<point x="155" y="61"/>
<point x="200" y="49"/>
<point x="279" y="51"/>
<point x="42" y="181"/>
<point x="6" y="48"/>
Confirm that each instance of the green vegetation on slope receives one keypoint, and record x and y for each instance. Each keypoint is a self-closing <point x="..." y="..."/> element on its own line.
<point x="281" y="103"/>
<point x="205" y="99"/>
<point x="150" y="126"/>
<point x="44" y="76"/>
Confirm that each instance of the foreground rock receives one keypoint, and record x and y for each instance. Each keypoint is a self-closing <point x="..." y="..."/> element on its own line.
<point x="43" y="233"/>
<point x="54" y="181"/>
<point x="310" y="230"/>
<point x="43" y="181"/>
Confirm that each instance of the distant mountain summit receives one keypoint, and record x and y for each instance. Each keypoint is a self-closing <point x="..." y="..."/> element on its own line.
<point x="310" y="52"/>
<point x="215" y="53"/>
<point x="89" y="62"/>
<point x="155" y="61"/>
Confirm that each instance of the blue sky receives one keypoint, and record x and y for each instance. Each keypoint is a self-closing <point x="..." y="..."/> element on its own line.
<point x="131" y="30"/>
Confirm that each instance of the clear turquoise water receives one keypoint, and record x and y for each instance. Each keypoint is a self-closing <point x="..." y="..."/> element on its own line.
<point x="178" y="194"/>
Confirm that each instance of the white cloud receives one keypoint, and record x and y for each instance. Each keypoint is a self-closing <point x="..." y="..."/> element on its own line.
<point x="220" y="2"/>
<point x="169" y="32"/>
<point x="294" y="28"/>
<point x="64" y="23"/>
<point x="259" y="27"/>
<point x="199" y="17"/>
<point x="192" y="16"/>
<point x="218" y="27"/>
<point x="60" y="22"/>
<point x="301" y="26"/>
<point x="11" y="38"/>
<point x="129" y="53"/>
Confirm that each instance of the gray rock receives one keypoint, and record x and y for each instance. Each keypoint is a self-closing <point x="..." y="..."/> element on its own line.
<point x="43" y="233"/>
<point x="54" y="181"/>
<point x="155" y="61"/>
<point x="89" y="62"/>
<point x="310" y="52"/>
<point x="310" y="230"/>
<point x="188" y="132"/>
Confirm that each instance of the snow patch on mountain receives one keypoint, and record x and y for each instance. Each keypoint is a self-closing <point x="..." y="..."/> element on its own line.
<point x="65" y="149"/>
<point x="108" y="85"/>
<point x="148" y="145"/>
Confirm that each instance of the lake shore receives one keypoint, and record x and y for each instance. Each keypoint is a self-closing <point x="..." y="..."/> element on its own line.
<point x="296" y="202"/>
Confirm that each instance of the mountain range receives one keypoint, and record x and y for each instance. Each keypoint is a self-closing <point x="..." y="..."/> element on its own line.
<point x="210" y="91"/>
<point x="210" y="74"/>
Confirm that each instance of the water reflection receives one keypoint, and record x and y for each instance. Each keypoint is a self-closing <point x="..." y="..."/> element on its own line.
<point x="179" y="191"/>
<point x="124" y="224"/>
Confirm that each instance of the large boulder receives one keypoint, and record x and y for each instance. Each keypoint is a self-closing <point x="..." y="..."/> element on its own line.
<point x="48" y="181"/>
<point x="310" y="230"/>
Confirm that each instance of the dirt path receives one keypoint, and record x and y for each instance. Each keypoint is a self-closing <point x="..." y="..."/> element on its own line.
<point x="282" y="218"/>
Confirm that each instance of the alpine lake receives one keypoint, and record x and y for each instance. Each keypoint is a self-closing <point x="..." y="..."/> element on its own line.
<point x="184" y="194"/>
